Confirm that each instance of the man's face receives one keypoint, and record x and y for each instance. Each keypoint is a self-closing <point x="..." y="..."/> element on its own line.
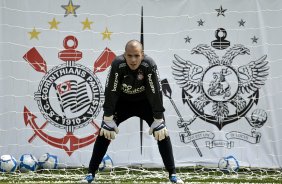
<point x="133" y="56"/>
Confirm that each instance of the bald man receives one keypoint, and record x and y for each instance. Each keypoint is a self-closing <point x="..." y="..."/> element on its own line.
<point x="133" y="89"/>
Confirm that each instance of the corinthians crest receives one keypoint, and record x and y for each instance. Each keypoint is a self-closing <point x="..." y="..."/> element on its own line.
<point x="220" y="93"/>
<point x="69" y="96"/>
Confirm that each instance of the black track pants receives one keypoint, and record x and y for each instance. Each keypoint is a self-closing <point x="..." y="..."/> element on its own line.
<point x="101" y="145"/>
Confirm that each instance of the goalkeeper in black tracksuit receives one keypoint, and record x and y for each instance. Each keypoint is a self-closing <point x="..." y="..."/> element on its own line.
<point x="133" y="89"/>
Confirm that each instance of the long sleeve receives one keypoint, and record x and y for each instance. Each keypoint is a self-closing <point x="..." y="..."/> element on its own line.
<point x="154" y="93"/>
<point x="112" y="90"/>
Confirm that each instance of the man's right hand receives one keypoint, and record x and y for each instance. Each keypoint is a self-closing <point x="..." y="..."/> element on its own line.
<point x="109" y="129"/>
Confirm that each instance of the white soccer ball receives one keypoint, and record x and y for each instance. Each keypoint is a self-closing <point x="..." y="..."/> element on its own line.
<point x="48" y="161"/>
<point x="28" y="163"/>
<point x="228" y="164"/>
<point x="8" y="163"/>
<point x="106" y="164"/>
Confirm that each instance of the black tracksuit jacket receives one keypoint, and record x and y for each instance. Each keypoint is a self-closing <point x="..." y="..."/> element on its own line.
<point x="133" y="86"/>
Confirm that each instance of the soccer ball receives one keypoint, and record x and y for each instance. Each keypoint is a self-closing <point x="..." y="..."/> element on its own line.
<point x="228" y="164"/>
<point x="48" y="161"/>
<point x="8" y="163"/>
<point x="28" y="163"/>
<point x="106" y="164"/>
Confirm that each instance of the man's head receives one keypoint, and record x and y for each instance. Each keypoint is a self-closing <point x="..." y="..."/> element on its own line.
<point x="133" y="54"/>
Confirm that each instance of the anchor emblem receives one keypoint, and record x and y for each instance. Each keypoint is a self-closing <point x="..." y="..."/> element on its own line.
<point x="69" y="96"/>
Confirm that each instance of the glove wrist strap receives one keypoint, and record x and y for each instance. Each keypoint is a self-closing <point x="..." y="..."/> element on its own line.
<point x="159" y="120"/>
<point x="108" y="118"/>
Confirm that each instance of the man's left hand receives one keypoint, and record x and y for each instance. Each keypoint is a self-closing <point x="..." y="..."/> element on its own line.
<point x="158" y="129"/>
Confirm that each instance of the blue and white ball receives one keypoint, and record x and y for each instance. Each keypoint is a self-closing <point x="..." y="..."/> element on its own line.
<point x="48" y="161"/>
<point x="28" y="163"/>
<point x="228" y="164"/>
<point x="106" y="164"/>
<point x="8" y="164"/>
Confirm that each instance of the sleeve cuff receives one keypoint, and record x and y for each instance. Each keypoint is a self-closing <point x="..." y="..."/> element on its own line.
<point x="158" y="116"/>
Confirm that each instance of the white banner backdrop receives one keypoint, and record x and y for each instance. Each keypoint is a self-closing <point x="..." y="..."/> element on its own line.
<point x="219" y="61"/>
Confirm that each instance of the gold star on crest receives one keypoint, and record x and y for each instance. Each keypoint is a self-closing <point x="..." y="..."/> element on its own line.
<point x="34" y="34"/>
<point x="106" y="34"/>
<point x="70" y="8"/>
<point x="86" y="24"/>
<point x="54" y="24"/>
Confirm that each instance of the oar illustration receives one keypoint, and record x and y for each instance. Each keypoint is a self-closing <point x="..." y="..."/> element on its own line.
<point x="167" y="92"/>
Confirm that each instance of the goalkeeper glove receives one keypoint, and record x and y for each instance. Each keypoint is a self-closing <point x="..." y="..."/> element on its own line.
<point x="109" y="128"/>
<point x="158" y="129"/>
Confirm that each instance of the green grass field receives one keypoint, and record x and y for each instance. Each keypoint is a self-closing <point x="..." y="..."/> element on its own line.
<point x="142" y="175"/>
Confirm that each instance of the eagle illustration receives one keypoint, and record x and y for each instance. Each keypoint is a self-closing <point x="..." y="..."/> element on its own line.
<point x="213" y="83"/>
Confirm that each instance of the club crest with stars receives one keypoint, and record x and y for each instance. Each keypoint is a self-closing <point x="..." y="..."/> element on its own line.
<point x="69" y="95"/>
<point x="221" y="91"/>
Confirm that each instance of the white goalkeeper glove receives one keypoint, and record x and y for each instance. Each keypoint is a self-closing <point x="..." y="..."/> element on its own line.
<point x="109" y="128"/>
<point x="158" y="129"/>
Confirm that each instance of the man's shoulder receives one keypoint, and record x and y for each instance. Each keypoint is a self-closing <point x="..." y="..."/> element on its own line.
<point x="148" y="61"/>
<point x="119" y="62"/>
